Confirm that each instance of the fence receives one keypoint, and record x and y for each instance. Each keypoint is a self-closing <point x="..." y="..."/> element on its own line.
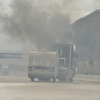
<point x="87" y="78"/>
<point x="85" y="68"/>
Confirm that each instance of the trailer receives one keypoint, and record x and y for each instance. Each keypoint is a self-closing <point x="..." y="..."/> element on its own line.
<point x="43" y="65"/>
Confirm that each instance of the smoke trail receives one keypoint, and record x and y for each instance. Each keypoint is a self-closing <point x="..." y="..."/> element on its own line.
<point x="41" y="28"/>
<point x="60" y="27"/>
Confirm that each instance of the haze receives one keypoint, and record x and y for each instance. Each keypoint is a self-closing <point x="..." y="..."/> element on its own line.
<point x="73" y="8"/>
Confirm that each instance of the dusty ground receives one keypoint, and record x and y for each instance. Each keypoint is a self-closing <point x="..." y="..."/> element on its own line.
<point x="21" y="88"/>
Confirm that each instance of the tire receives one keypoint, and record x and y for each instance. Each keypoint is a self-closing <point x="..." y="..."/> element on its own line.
<point x="32" y="79"/>
<point x="54" y="80"/>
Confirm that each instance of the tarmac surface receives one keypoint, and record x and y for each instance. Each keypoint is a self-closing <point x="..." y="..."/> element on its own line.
<point x="21" y="88"/>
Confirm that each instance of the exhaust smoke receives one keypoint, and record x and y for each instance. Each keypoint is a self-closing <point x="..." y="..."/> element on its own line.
<point x="41" y="28"/>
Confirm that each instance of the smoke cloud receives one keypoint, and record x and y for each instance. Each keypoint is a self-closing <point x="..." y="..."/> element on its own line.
<point x="40" y="27"/>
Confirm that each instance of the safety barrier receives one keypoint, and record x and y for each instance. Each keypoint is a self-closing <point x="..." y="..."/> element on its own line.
<point x="82" y="77"/>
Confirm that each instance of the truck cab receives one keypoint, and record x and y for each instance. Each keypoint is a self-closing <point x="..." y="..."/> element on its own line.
<point x="66" y="58"/>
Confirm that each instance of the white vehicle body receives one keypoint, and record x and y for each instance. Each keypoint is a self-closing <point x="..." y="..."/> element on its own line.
<point x="43" y="65"/>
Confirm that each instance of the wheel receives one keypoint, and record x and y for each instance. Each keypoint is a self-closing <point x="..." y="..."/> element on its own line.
<point x="32" y="79"/>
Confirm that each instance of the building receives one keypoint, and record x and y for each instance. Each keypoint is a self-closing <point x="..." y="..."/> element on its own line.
<point x="87" y="35"/>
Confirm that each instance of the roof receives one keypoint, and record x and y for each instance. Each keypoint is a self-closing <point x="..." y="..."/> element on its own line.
<point x="87" y="16"/>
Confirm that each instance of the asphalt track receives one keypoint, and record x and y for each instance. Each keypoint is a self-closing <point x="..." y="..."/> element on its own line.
<point x="21" y="88"/>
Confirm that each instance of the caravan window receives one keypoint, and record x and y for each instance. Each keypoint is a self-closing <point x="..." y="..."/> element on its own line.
<point x="45" y="63"/>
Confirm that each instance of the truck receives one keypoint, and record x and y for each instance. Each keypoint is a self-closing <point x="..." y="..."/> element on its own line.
<point x="57" y="63"/>
<point x="5" y="70"/>
<point x="43" y="65"/>
<point x="67" y="60"/>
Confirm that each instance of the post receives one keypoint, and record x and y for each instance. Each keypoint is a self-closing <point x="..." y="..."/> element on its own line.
<point x="70" y="72"/>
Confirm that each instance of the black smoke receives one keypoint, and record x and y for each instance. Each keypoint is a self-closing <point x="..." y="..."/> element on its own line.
<point x="41" y="28"/>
